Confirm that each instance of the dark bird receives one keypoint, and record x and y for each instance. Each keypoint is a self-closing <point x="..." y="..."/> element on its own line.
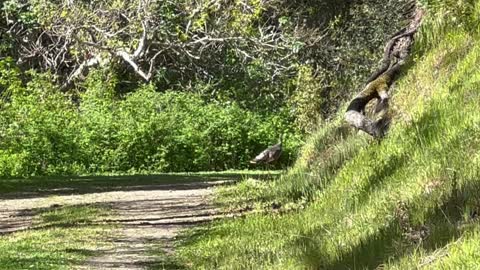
<point x="269" y="155"/>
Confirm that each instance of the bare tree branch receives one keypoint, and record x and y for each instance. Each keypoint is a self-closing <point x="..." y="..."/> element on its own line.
<point x="377" y="86"/>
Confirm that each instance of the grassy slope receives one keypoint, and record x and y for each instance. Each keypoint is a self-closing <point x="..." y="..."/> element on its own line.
<point x="61" y="238"/>
<point x="361" y="204"/>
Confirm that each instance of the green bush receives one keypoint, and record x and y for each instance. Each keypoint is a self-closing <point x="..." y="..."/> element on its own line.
<point x="172" y="131"/>
<point x="38" y="132"/>
<point x="44" y="133"/>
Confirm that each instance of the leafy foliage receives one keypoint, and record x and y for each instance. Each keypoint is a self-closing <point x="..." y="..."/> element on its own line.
<point x="44" y="133"/>
<point x="254" y="53"/>
<point x="225" y="79"/>
<point x="37" y="132"/>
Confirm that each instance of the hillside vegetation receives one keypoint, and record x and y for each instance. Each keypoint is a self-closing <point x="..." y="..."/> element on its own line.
<point x="408" y="201"/>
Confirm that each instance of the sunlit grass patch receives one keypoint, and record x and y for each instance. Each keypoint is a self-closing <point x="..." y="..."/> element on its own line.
<point x="399" y="203"/>
<point x="72" y="215"/>
<point x="60" y="238"/>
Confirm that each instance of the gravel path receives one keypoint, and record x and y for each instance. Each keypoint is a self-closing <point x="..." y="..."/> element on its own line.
<point x="150" y="217"/>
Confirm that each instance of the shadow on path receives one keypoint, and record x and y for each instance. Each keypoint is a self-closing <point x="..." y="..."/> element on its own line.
<point x="149" y="212"/>
<point x="44" y="187"/>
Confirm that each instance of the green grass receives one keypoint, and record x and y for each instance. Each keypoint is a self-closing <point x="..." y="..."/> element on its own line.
<point x="359" y="203"/>
<point x="60" y="239"/>
<point x="164" y="261"/>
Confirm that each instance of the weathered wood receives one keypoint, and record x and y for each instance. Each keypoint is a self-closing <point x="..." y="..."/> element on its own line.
<point x="378" y="84"/>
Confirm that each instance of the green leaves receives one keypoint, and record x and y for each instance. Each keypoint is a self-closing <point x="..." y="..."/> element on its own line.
<point x="37" y="131"/>
<point x="43" y="133"/>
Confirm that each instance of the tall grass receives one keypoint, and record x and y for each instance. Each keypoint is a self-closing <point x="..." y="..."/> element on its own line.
<point x="400" y="203"/>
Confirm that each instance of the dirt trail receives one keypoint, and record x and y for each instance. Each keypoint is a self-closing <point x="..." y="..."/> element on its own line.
<point x="148" y="217"/>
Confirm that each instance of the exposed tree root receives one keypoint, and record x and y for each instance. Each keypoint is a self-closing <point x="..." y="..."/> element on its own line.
<point x="377" y="85"/>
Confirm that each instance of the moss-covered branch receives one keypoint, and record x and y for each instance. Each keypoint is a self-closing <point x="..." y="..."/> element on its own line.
<point x="378" y="84"/>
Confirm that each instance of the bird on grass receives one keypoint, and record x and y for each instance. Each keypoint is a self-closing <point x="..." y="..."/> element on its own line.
<point x="269" y="155"/>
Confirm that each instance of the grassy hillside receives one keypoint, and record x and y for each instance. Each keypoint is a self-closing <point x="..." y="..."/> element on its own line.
<point x="408" y="201"/>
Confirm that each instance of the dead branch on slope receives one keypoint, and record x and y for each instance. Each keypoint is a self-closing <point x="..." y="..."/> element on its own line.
<point x="377" y="86"/>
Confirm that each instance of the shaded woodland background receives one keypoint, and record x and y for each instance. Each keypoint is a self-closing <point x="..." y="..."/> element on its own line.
<point x="161" y="86"/>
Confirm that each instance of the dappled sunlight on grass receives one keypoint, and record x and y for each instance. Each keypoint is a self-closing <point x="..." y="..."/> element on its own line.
<point x="399" y="203"/>
<point x="59" y="239"/>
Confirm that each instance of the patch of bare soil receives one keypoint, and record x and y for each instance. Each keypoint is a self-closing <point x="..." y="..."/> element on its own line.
<point x="148" y="218"/>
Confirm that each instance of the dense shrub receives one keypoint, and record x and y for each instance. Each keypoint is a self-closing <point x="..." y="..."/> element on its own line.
<point x="38" y="129"/>
<point x="44" y="133"/>
<point x="240" y="74"/>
